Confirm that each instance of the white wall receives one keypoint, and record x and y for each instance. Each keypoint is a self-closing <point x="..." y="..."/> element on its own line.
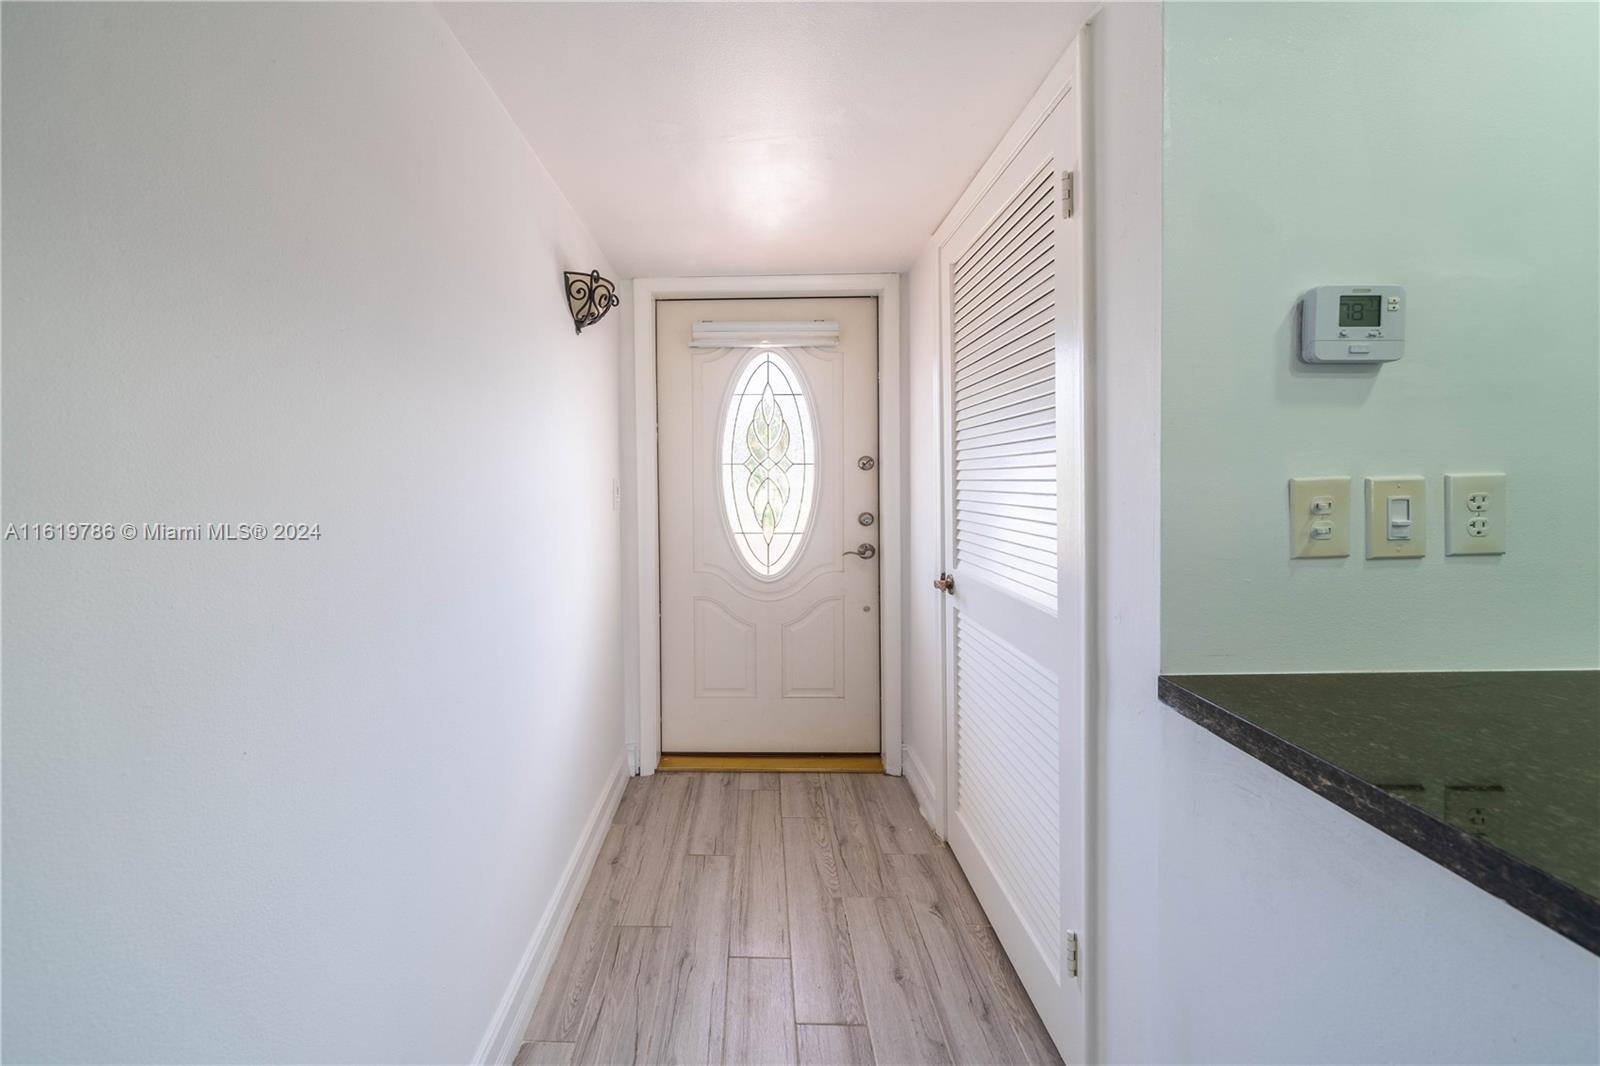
<point x="290" y="802"/>
<point x="1239" y="917"/>
<point x="1291" y="931"/>
<point x="1122" y="954"/>
<point x="1452" y="148"/>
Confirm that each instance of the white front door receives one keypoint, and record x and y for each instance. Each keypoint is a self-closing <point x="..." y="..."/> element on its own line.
<point x="768" y="475"/>
<point x="1016" y="631"/>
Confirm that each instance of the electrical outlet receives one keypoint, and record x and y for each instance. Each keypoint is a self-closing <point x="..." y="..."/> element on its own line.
<point x="1319" y="517"/>
<point x="1475" y="514"/>
<point x="1397" y="514"/>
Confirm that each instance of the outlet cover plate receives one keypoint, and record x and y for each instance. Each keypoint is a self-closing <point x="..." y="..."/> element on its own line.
<point x="1379" y="546"/>
<point x="1302" y="492"/>
<point x="1475" y="514"/>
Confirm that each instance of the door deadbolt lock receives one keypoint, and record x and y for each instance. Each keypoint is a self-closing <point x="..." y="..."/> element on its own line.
<point x="866" y="551"/>
<point x="945" y="583"/>
<point x="866" y="462"/>
<point x="865" y="518"/>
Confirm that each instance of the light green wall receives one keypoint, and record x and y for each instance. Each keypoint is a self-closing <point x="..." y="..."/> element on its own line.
<point x="1450" y="148"/>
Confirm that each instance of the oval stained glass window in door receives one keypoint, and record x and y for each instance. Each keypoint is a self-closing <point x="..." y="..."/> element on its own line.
<point x="768" y="464"/>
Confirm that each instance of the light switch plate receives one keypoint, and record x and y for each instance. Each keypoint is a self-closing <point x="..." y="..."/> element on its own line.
<point x="1474" y="514"/>
<point x="1308" y="496"/>
<point x="1381" y="544"/>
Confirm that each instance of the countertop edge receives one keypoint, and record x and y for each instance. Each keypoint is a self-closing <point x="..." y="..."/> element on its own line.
<point x="1546" y="899"/>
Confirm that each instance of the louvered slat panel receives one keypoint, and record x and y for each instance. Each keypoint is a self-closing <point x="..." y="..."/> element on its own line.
<point x="1023" y="282"/>
<point x="1022" y="521"/>
<point x="972" y="416"/>
<point x="975" y="426"/>
<point x="1039" y="434"/>
<point x="1029" y="487"/>
<point x="1008" y="772"/>
<point x="1042" y="463"/>
<point x="1023" y="213"/>
<point x="1013" y="227"/>
<point x="1033" y="689"/>
<point x="1014" y="382"/>
<point x="1043" y="524"/>
<point x="998" y="272"/>
<point x="1016" y="298"/>
<point x="1014" y="361"/>
<point x="1021" y="292"/>
<point x="1042" y="506"/>
<point x="1012" y="266"/>
<point x="1042" y="416"/>
<point x="1007" y="305"/>
<point x="976" y="407"/>
<point x="1005" y="233"/>
<point x="1024" y="554"/>
<point x="1007" y="336"/>
<point x="1016" y="276"/>
<point x="1003" y="308"/>
<point x="1019" y="356"/>
<point x="985" y="540"/>
<point x="1004" y="565"/>
<point x="1014" y="532"/>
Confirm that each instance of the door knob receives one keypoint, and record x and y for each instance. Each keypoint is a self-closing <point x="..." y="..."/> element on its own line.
<point x="866" y="551"/>
<point x="945" y="583"/>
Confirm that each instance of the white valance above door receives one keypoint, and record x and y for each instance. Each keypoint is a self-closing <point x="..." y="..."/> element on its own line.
<point x="808" y="334"/>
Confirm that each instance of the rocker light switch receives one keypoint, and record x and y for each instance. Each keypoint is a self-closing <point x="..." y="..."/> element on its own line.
<point x="1395" y="510"/>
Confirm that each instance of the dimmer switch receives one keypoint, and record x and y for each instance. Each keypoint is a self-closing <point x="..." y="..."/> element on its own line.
<point x="1399" y="517"/>
<point x="1396" y="507"/>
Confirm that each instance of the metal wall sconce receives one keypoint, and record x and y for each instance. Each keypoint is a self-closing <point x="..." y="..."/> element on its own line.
<point x="589" y="297"/>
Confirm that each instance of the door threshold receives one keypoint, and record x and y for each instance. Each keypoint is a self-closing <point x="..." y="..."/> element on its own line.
<point x="773" y="764"/>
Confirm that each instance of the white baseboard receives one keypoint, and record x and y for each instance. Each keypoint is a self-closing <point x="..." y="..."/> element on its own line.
<point x="511" y="1017"/>
<point x="923" y="789"/>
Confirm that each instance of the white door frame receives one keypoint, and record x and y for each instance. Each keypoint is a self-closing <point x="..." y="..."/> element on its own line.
<point x="644" y="658"/>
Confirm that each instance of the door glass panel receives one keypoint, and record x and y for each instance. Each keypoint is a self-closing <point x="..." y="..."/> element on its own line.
<point x="768" y="464"/>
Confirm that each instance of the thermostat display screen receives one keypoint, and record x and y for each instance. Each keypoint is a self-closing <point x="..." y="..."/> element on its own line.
<point x="1359" y="310"/>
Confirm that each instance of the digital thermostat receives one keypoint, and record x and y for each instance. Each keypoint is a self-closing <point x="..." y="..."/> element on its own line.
<point x="1353" y="324"/>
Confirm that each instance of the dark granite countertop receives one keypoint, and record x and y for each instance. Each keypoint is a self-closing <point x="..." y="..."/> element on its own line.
<point x="1495" y="776"/>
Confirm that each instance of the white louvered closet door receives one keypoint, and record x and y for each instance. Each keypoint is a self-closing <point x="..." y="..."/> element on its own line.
<point x="1014" y="502"/>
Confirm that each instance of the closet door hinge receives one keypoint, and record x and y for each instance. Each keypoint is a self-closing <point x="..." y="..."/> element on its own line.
<point x="1069" y="192"/>
<point x="1072" y="954"/>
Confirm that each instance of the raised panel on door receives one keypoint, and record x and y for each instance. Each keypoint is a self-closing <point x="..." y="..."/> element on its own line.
<point x="1015" y="633"/>
<point x="761" y="495"/>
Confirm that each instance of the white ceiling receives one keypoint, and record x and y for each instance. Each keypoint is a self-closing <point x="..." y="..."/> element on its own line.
<point x="763" y="138"/>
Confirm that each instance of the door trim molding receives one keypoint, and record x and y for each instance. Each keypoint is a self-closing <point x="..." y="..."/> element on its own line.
<point x="642" y="579"/>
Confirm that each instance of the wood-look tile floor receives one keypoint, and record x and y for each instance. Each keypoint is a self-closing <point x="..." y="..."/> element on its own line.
<point x="779" y="918"/>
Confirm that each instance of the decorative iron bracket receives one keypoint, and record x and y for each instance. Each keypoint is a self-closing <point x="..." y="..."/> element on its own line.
<point x="589" y="297"/>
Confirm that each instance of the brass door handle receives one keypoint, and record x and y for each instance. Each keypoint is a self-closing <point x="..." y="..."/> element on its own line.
<point x="945" y="583"/>
<point x="866" y="551"/>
